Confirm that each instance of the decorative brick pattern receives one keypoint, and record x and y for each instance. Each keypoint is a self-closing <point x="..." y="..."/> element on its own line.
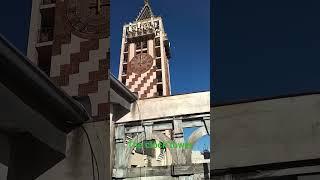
<point x="81" y="66"/>
<point x="143" y="84"/>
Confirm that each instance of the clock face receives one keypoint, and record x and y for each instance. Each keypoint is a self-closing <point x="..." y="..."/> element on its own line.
<point x="141" y="63"/>
<point x="88" y="18"/>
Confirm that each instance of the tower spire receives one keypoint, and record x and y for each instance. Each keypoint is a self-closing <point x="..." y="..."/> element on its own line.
<point x="145" y="12"/>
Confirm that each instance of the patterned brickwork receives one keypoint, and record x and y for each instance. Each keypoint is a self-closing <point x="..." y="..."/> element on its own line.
<point x="81" y="66"/>
<point x="143" y="84"/>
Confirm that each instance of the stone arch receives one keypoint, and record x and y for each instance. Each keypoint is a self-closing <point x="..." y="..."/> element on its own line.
<point x="157" y="136"/>
<point x="194" y="137"/>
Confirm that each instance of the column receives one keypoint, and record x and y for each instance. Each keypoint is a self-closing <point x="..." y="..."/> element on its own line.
<point x="178" y="138"/>
<point x="120" y="147"/>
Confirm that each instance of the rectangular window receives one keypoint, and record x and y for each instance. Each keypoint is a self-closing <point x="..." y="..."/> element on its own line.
<point x="124" y="69"/>
<point x="125" y="57"/>
<point x="159" y="76"/>
<point x="158" y="54"/>
<point x="157" y="41"/>
<point x="123" y="80"/>
<point x="159" y="90"/>
<point x="144" y="44"/>
<point x="158" y="63"/>
<point x="138" y="45"/>
<point x="126" y="47"/>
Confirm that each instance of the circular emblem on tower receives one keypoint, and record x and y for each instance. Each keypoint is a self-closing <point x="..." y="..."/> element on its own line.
<point x="141" y="63"/>
<point x="88" y="18"/>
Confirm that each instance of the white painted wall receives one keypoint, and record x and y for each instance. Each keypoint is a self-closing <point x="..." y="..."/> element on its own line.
<point x="263" y="132"/>
<point x="169" y="106"/>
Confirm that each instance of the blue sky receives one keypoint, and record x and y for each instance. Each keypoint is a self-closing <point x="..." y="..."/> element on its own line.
<point x="14" y="18"/>
<point x="265" y="48"/>
<point x="187" y="24"/>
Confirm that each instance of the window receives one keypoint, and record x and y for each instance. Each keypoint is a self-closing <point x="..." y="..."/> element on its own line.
<point x="126" y="47"/>
<point x="123" y="80"/>
<point x="157" y="41"/>
<point x="159" y="89"/>
<point x="138" y="45"/>
<point x="125" y="57"/>
<point x="144" y="44"/>
<point x="159" y="76"/>
<point x="158" y="63"/>
<point x="124" y="71"/>
<point x="158" y="54"/>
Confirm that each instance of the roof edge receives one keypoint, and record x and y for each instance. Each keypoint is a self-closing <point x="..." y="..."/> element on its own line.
<point x="35" y="88"/>
<point x="266" y="98"/>
<point x="122" y="89"/>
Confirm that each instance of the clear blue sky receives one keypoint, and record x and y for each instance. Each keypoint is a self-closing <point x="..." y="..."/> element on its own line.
<point x="265" y="48"/>
<point x="187" y="24"/>
<point x="14" y="18"/>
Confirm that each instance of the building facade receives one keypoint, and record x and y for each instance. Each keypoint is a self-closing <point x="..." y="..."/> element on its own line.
<point x="69" y="41"/>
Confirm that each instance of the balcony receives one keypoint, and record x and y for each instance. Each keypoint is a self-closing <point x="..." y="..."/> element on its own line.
<point x="141" y="35"/>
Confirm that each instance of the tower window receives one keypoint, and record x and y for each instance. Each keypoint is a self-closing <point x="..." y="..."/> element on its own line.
<point x="158" y="54"/>
<point x="124" y="70"/>
<point x="126" y="47"/>
<point x="159" y="90"/>
<point x="124" y="80"/>
<point x="158" y="62"/>
<point x="125" y="57"/>
<point x="144" y="44"/>
<point x="159" y="76"/>
<point x="157" y="41"/>
<point x="138" y="45"/>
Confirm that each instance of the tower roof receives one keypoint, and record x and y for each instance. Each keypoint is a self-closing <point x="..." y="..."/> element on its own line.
<point x="145" y="12"/>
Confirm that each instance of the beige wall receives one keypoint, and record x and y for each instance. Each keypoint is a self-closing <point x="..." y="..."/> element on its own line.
<point x="169" y="106"/>
<point x="77" y="164"/>
<point x="263" y="132"/>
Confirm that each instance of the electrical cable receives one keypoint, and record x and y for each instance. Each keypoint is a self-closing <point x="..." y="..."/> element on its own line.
<point x="92" y="152"/>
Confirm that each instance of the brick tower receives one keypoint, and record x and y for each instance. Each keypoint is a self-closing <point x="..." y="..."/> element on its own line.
<point x="69" y="40"/>
<point x="145" y="53"/>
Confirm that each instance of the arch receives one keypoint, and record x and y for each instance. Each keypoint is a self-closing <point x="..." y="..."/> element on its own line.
<point x="157" y="136"/>
<point x="194" y="137"/>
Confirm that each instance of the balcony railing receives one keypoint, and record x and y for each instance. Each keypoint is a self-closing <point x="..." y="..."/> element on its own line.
<point x="45" y="35"/>
<point x="46" y="2"/>
<point x="139" y="33"/>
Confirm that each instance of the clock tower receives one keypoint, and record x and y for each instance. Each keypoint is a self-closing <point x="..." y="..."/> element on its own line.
<point x="145" y="54"/>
